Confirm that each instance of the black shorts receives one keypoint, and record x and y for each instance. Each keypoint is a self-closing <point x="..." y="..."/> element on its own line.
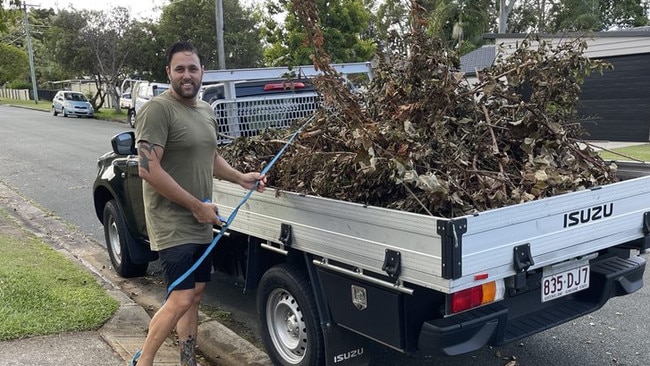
<point x="176" y="261"/>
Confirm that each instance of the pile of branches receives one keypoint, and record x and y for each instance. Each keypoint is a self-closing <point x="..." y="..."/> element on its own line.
<point x="422" y="139"/>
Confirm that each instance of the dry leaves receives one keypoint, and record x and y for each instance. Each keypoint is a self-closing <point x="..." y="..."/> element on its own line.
<point x="424" y="140"/>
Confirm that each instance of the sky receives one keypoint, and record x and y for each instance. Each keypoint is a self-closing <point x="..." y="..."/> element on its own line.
<point x="140" y="8"/>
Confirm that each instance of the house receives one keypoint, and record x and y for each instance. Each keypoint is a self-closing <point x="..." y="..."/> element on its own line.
<point x="615" y="106"/>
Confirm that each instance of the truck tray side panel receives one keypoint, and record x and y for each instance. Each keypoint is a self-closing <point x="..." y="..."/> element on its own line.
<point x="556" y="228"/>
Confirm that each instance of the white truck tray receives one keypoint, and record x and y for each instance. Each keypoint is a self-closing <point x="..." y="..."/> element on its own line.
<point x="447" y="255"/>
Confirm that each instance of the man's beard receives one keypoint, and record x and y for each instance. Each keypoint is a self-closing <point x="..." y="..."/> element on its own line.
<point x="178" y="88"/>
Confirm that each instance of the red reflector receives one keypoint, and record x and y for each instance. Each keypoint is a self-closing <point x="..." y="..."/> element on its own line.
<point x="466" y="299"/>
<point x="283" y="86"/>
<point x="480" y="276"/>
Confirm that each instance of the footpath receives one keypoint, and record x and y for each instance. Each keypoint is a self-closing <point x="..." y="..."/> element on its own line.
<point x="114" y="343"/>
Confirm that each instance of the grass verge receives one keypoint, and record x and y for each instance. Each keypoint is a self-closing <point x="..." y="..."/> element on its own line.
<point x="42" y="292"/>
<point x="46" y="105"/>
<point x="638" y="152"/>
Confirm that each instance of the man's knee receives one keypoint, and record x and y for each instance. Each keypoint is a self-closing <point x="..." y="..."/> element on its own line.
<point x="182" y="300"/>
<point x="199" y="290"/>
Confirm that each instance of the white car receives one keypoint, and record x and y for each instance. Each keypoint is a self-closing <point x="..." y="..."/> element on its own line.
<point x="141" y="93"/>
<point x="72" y="103"/>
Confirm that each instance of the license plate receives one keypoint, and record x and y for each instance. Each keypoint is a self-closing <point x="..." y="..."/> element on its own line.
<point x="565" y="279"/>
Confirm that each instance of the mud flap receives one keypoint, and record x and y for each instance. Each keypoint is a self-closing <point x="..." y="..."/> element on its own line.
<point x="141" y="253"/>
<point x="344" y="347"/>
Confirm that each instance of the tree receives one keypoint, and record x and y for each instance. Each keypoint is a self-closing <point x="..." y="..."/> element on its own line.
<point x="577" y="15"/>
<point x="522" y="18"/>
<point x="9" y="13"/>
<point x="392" y="23"/>
<point x="46" y="67"/>
<point x="14" y="64"/>
<point x="147" y="59"/>
<point x="105" y="36"/>
<point x="623" y="13"/>
<point x="556" y="16"/>
<point x="63" y="43"/>
<point x="194" y="20"/>
<point x="504" y="11"/>
<point x="461" y="23"/>
<point x="343" y="22"/>
<point x="93" y="44"/>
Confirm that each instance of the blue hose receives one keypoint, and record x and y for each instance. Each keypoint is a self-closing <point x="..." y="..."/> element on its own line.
<point x="226" y="223"/>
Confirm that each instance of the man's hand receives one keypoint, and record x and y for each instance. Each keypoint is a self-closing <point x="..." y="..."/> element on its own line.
<point x="207" y="212"/>
<point x="249" y="180"/>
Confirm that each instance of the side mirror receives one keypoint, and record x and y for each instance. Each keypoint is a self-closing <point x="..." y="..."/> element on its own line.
<point x="124" y="143"/>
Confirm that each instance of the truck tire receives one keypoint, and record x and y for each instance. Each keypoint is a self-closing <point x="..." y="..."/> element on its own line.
<point x="118" y="241"/>
<point x="130" y="118"/>
<point x="288" y="318"/>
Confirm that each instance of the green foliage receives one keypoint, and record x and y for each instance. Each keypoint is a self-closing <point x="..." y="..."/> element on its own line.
<point x="63" y="42"/>
<point x="146" y="59"/>
<point x="460" y="21"/>
<point x="577" y="15"/>
<point x="9" y="13"/>
<point x="342" y="21"/>
<point x="623" y="13"/>
<point x="19" y="84"/>
<point x="41" y="292"/>
<point x="14" y="64"/>
<point x="194" y="20"/>
<point x="391" y="23"/>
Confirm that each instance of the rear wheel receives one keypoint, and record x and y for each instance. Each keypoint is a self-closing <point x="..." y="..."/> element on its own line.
<point x="118" y="241"/>
<point x="130" y="118"/>
<point x="288" y="317"/>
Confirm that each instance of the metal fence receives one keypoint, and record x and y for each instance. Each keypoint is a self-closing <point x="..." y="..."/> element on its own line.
<point x="250" y="115"/>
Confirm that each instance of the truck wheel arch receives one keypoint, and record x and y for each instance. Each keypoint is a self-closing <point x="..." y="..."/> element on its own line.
<point x="119" y="243"/>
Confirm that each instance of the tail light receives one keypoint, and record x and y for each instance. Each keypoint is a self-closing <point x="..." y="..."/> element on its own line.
<point x="283" y="86"/>
<point x="476" y="296"/>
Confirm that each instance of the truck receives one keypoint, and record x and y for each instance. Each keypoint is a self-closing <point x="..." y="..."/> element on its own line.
<point x="332" y="276"/>
<point x="135" y="93"/>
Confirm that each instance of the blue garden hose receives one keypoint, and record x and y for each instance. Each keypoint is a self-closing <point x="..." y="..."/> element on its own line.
<point x="226" y="222"/>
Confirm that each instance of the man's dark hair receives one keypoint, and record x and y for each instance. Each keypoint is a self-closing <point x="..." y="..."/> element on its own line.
<point x="182" y="46"/>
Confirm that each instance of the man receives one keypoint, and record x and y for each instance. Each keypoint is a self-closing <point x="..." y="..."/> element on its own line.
<point x="177" y="141"/>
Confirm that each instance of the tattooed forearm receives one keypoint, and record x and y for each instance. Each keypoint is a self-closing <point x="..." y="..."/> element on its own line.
<point x="145" y="150"/>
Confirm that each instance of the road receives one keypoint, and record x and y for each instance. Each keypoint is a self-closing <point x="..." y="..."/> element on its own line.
<point x="52" y="160"/>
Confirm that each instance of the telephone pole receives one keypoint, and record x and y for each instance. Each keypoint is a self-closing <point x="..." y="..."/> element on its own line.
<point x="218" y="10"/>
<point x="31" y="55"/>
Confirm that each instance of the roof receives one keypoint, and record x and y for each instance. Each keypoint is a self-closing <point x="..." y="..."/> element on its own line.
<point x="478" y="59"/>
<point x="626" y="32"/>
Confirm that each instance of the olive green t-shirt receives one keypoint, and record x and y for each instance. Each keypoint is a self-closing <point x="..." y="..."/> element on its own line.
<point x="189" y="138"/>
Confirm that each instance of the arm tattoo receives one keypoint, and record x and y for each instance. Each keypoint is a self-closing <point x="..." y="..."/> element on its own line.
<point x="146" y="149"/>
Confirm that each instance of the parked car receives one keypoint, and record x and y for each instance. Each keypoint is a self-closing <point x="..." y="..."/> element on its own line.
<point x="125" y="100"/>
<point x="141" y="93"/>
<point x="72" y="103"/>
